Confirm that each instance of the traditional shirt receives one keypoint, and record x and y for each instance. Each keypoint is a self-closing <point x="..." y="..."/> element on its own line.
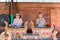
<point x="18" y="22"/>
<point x="40" y="22"/>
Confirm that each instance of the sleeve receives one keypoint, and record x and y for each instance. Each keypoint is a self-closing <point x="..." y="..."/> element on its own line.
<point x="43" y="22"/>
<point x="21" y="21"/>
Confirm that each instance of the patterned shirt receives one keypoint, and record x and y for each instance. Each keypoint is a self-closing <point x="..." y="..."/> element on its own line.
<point x="18" y="22"/>
<point x="40" y="22"/>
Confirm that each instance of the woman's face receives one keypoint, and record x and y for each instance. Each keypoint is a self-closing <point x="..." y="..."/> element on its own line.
<point x="40" y="15"/>
<point x="17" y="16"/>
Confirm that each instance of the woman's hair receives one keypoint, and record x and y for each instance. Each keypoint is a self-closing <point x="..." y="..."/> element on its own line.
<point x="40" y="13"/>
<point x="18" y="15"/>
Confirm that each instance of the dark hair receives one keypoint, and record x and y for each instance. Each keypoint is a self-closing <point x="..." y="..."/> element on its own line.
<point x="17" y="13"/>
<point x="20" y="16"/>
<point x="40" y="13"/>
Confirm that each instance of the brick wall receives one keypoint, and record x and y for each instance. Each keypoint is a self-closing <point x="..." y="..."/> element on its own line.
<point x="29" y="11"/>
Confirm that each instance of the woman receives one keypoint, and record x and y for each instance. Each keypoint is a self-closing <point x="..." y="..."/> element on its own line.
<point x="17" y="21"/>
<point x="40" y="22"/>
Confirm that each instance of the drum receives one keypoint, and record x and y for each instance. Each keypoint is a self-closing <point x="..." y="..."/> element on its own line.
<point x="3" y="17"/>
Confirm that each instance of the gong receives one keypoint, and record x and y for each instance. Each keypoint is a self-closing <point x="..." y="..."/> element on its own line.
<point x="3" y="17"/>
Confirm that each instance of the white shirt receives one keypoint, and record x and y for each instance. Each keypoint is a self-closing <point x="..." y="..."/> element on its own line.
<point x="17" y="22"/>
<point x="40" y="22"/>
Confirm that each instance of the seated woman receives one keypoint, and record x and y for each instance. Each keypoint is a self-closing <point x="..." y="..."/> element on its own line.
<point x="18" y="21"/>
<point x="40" y="22"/>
